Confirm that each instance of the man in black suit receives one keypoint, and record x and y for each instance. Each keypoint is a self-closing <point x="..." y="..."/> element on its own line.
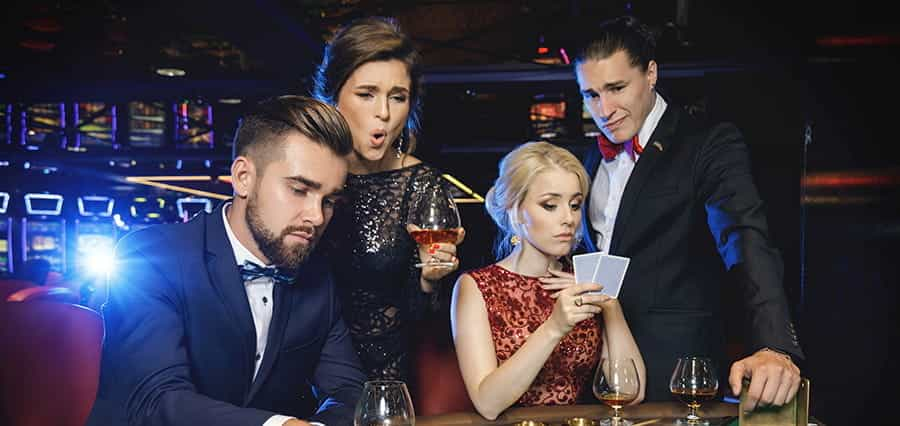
<point x="677" y="197"/>
<point x="232" y="318"/>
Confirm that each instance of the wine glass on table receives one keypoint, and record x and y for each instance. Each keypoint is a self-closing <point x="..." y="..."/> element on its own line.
<point x="436" y="220"/>
<point x="384" y="403"/>
<point x="616" y="383"/>
<point x="693" y="382"/>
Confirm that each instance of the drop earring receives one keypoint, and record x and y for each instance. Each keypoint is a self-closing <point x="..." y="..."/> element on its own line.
<point x="399" y="146"/>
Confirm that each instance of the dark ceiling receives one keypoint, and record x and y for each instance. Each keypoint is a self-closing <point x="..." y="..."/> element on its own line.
<point x="112" y="48"/>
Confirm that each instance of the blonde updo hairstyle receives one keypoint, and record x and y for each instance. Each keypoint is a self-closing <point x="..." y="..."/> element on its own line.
<point x="516" y="172"/>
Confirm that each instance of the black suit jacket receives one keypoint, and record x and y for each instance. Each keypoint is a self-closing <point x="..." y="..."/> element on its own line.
<point x="180" y="341"/>
<point x="691" y="221"/>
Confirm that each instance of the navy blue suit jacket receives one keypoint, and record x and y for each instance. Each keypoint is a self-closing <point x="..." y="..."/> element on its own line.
<point x="180" y="341"/>
<point x="691" y="221"/>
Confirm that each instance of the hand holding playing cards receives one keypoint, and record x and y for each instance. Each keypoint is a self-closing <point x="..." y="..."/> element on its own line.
<point x="557" y="280"/>
<point x="574" y="304"/>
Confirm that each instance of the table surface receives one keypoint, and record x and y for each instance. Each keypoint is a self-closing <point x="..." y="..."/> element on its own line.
<point x="648" y="413"/>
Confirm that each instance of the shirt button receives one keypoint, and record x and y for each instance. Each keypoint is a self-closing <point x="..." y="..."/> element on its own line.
<point x="258" y="357"/>
<point x="265" y="300"/>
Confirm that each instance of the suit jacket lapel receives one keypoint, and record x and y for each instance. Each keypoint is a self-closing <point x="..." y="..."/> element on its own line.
<point x="284" y="300"/>
<point x="654" y="150"/>
<point x="592" y="165"/>
<point x="225" y="279"/>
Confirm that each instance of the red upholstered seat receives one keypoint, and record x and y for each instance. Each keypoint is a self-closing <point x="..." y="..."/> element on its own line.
<point x="8" y="287"/>
<point x="440" y="388"/>
<point x="45" y="293"/>
<point x="50" y="357"/>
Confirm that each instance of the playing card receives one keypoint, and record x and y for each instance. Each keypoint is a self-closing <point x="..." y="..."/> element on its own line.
<point x="610" y="273"/>
<point x="585" y="266"/>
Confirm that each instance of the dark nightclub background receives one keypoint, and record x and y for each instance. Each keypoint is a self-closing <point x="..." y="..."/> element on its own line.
<point x="99" y="134"/>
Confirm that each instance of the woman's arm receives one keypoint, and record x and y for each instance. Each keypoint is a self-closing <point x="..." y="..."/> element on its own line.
<point x="619" y="343"/>
<point x="494" y="388"/>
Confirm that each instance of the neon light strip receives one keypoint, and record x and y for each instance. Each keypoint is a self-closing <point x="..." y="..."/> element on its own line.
<point x="11" y="251"/>
<point x="154" y="181"/>
<point x="472" y="200"/>
<point x="5" y="197"/>
<point x="109" y="205"/>
<point x="191" y="191"/>
<point x="853" y="179"/>
<point x="174" y="178"/>
<point x="206" y="202"/>
<point x="866" y="40"/>
<point x="840" y="200"/>
<point x="59" y="202"/>
<point x="463" y="187"/>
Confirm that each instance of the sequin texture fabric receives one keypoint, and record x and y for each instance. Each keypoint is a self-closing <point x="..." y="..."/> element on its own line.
<point x="373" y="261"/>
<point x="517" y="306"/>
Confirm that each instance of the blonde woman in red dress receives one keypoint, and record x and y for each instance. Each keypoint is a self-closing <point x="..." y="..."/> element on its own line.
<point x="525" y="333"/>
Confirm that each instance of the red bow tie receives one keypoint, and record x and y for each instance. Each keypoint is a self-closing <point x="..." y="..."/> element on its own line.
<point x="611" y="150"/>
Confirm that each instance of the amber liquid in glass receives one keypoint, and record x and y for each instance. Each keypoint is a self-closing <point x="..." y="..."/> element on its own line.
<point x="434" y="236"/>
<point x="694" y="397"/>
<point x="617" y="400"/>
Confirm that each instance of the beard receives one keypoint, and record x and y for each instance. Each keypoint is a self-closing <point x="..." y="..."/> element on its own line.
<point x="272" y="246"/>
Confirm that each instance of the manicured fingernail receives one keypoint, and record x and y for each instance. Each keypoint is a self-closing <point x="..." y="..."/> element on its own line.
<point x="435" y="246"/>
<point x="431" y="251"/>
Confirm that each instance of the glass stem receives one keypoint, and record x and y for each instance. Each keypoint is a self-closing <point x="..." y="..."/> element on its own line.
<point x="616" y="414"/>
<point x="692" y="415"/>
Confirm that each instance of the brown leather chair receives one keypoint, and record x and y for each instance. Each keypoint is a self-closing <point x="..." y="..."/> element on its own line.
<point x="50" y="357"/>
<point x="45" y="293"/>
<point x="439" y="387"/>
<point x="11" y="286"/>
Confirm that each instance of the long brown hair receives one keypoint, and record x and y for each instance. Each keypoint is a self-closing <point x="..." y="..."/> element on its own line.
<point x="366" y="40"/>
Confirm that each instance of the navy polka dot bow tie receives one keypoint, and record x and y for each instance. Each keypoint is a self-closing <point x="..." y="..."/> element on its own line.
<point x="251" y="271"/>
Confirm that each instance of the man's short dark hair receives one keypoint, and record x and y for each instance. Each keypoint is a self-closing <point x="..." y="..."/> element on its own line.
<point x="623" y="33"/>
<point x="260" y="131"/>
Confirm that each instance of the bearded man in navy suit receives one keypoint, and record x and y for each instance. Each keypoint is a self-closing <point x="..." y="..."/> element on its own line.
<point x="232" y="318"/>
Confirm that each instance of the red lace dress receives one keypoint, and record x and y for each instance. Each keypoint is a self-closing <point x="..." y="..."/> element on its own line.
<point x="516" y="306"/>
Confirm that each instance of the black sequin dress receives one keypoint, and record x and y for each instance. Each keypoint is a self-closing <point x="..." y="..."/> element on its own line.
<point x="373" y="258"/>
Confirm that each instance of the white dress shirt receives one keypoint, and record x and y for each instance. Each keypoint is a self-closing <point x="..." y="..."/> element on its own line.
<point x="611" y="178"/>
<point x="259" y="294"/>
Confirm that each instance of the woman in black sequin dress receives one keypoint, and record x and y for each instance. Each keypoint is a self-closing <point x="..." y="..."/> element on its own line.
<point x="370" y="71"/>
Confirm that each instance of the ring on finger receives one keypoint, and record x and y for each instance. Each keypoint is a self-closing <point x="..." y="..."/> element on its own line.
<point x="578" y="301"/>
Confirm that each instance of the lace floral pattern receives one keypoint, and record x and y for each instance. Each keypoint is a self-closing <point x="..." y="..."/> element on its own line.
<point x="373" y="261"/>
<point x="517" y="306"/>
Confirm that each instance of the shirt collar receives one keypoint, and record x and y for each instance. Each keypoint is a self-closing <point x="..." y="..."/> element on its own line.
<point x="241" y="254"/>
<point x="659" y="107"/>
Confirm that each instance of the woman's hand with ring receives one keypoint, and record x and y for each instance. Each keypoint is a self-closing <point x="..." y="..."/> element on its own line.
<point x="575" y="304"/>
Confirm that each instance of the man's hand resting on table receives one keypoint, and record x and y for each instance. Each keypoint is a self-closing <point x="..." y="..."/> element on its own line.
<point x="774" y="378"/>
